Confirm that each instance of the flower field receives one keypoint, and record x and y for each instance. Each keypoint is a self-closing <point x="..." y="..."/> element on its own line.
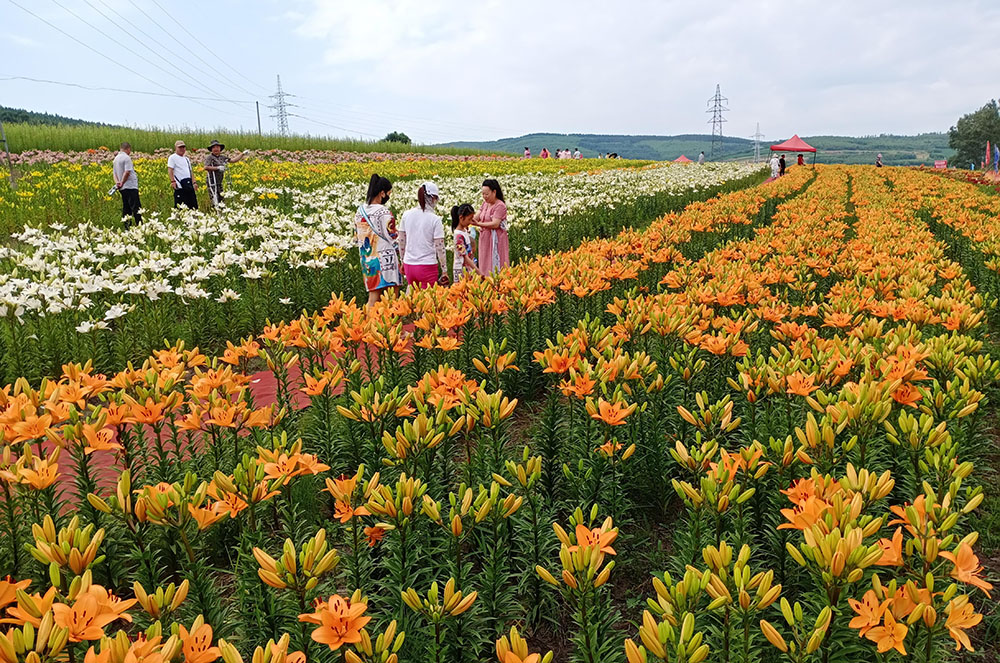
<point x="757" y="428"/>
<point x="93" y="290"/>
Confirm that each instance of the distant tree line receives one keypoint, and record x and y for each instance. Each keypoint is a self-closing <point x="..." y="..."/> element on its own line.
<point x="21" y="116"/>
<point x="969" y="135"/>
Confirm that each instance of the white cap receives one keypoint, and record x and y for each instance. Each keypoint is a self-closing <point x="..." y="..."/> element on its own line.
<point x="431" y="189"/>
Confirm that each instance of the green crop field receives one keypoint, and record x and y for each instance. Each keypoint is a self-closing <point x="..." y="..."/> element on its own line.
<point x="74" y="138"/>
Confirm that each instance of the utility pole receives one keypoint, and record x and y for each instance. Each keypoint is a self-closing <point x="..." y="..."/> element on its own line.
<point x="6" y="149"/>
<point x="757" y="135"/>
<point x="259" y="132"/>
<point x="717" y="107"/>
<point x="280" y="107"/>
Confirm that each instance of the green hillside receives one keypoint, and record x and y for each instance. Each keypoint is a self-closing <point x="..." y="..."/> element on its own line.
<point x="895" y="150"/>
<point x="21" y="116"/>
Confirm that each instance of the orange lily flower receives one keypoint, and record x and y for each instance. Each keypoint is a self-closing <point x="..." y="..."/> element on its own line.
<point x="613" y="414"/>
<point x="906" y="394"/>
<point x="889" y="636"/>
<point x="43" y="473"/>
<point x="22" y="614"/>
<point x="340" y="621"/>
<point x="85" y="619"/>
<point x="343" y="511"/>
<point x="804" y="515"/>
<point x="32" y="428"/>
<point x="580" y="386"/>
<point x="597" y="537"/>
<point x="967" y="567"/>
<point x="8" y="590"/>
<point x="315" y="386"/>
<point x="150" y="412"/>
<point x="892" y="550"/>
<point x="207" y="517"/>
<point x="801" y="385"/>
<point x="99" y="440"/>
<point x="961" y="615"/>
<point x="375" y="534"/>
<point x="870" y="611"/>
<point x="197" y="645"/>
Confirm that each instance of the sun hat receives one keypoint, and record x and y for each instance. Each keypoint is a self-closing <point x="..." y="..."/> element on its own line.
<point x="431" y="189"/>
<point x="179" y="143"/>
<point x="214" y="143"/>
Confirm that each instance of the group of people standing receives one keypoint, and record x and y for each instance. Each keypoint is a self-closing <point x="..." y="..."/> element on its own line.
<point x="778" y="164"/>
<point x="415" y="251"/>
<point x="181" y="173"/>
<point x="564" y="153"/>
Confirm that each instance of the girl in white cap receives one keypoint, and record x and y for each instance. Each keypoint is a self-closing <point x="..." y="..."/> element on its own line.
<point x="421" y="241"/>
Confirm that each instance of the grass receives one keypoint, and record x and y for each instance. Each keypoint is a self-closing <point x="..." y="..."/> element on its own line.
<point x="67" y="138"/>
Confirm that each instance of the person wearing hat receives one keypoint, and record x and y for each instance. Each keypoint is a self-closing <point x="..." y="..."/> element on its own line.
<point x="215" y="165"/>
<point x="181" y="177"/>
<point x="421" y="240"/>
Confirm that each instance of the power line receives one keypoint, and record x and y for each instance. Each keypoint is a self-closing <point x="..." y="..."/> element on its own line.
<point x="156" y="41"/>
<point x="400" y="122"/>
<point x="403" y="118"/>
<point x="205" y="46"/>
<point x="332" y="126"/>
<point x="428" y="126"/>
<point x="372" y="124"/>
<point x="103" y="55"/>
<point x="116" y="89"/>
<point x="142" y="57"/>
<point x="194" y="53"/>
<point x="179" y="96"/>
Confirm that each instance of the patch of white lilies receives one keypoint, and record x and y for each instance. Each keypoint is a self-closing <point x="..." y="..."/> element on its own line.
<point x="103" y="272"/>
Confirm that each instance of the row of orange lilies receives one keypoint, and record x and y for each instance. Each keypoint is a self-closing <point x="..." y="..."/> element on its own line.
<point x="832" y="360"/>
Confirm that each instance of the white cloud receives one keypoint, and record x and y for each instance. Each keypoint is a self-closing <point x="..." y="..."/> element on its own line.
<point x="448" y="70"/>
<point x="648" y="66"/>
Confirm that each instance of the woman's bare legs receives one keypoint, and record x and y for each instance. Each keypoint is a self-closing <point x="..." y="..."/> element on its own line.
<point x="376" y="295"/>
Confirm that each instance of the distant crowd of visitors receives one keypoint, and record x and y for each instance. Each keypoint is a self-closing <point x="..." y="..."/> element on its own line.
<point x="566" y="153"/>
<point x="181" y="173"/>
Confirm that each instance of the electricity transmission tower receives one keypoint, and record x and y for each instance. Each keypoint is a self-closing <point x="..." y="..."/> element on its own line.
<point x="717" y="107"/>
<point x="280" y="108"/>
<point x="757" y="135"/>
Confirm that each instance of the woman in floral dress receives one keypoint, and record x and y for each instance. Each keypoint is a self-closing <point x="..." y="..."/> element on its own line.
<point x="377" y="241"/>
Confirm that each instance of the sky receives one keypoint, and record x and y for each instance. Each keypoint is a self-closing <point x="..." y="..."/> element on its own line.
<point x="447" y="70"/>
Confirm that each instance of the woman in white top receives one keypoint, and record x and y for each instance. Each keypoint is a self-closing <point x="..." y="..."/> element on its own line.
<point x="421" y="241"/>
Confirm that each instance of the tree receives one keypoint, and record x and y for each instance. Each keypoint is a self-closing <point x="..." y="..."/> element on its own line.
<point x="397" y="137"/>
<point x="969" y="135"/>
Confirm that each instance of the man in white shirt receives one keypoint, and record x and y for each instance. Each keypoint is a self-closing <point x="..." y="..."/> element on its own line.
<point x="182" y="177"/>
<point x="127" y="184"/>
<point x="701" y="158"/>
<point x="577" y="154"/>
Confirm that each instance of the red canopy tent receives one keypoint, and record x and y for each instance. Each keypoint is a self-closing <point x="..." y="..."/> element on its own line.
<point x="795" y="144"/>
<point x="682" y="159"/>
